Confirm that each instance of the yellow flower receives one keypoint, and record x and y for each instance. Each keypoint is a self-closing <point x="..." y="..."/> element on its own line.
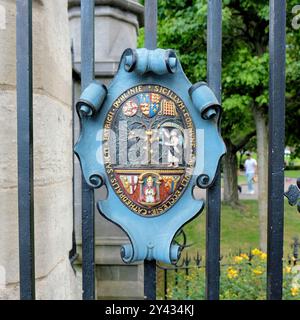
<point x="244" y="256"/>
<point x="294" y="291"/>
<point x="238" y="259"/>
<point x="188" y="278"/>
<point x="288" y="269"/>
<point x="256" y="252"/>
<point x="258" y="271"/>
<point x="169" y="293"/>
<point x="263" y="256"/>
<point x="232" y="273"/>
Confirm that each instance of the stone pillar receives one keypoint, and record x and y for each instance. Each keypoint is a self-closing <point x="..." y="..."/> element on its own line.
<point x="52" y="151"/>
<point x="116" y="28"/>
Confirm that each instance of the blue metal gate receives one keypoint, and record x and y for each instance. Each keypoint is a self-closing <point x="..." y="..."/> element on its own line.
<point x="214" y="47"/>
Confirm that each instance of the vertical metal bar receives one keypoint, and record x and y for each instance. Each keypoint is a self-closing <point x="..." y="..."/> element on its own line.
<point x="187" y="282"/>
<point x="150" y="280"/>
<point x="276" y="148"/>
<point x="25" y="149"/>
<point x="150" y="24"/>
<point x="88" y="211"/>
<point x="176" y="279"/>
<point x="150" y="43"/>
<point x="166" y="284"/>
<point x="214" y="52"/>
<point x="73" y="252"/>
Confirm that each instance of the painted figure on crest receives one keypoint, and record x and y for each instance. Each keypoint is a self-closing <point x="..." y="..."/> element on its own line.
<point x="173" y="142"/>
<point x="150" y="191"/>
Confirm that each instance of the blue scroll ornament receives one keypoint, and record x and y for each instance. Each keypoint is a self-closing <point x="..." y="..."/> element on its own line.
<point x="150" y="237"/>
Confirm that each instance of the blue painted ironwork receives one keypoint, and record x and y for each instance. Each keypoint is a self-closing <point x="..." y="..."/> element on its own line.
<point x="151" y="238"/>
<point x="25" y="149"/>
<point x="88" y="211"/>
<point x="214" y="54"/>
<point x="276" y="148"/>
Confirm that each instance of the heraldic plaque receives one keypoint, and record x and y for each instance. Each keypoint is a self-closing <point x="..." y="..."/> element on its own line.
<point x="150" y="138"/>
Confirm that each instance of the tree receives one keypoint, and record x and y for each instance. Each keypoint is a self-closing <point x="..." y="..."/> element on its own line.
<point x="245" y="60"/>
<point x="251" y="21"/>
<point x="248" y="80"/>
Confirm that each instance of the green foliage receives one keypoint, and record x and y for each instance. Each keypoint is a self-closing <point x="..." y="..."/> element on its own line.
<point x="242" y="278"/>
<point x="245" y="60"/>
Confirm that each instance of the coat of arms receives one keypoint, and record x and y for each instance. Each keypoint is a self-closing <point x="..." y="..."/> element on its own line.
<point x="153" y="145"/>
<point x="150" y="138"/>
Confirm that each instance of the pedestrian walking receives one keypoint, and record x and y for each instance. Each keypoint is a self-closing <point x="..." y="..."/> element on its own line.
<point x="251" y="171"/>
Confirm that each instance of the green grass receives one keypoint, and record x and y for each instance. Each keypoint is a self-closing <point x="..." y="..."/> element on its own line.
<point x="292" y="174"/>
<point x="240" y="228"/>
<point x="242" y="179"/>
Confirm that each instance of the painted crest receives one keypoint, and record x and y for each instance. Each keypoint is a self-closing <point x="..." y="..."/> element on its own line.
<point x="149" y="153"/>
<point x="150" y="138"/>
<point x="130" y="108"/>
<point x="149" y="103"/>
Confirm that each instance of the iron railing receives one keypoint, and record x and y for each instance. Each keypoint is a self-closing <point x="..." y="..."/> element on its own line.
<point x="88" y="207"/>
<point x="213" y="195"/>
<point x="276" y="148"/>
<point x="25" y="149"/>
<point x="150" y="43"/>
<point x="214" y="44"/>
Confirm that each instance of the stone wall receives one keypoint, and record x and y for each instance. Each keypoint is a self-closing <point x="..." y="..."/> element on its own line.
<point x="52" y="151"/>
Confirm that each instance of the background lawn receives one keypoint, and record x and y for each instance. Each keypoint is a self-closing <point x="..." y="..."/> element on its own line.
<point x="239" y="229"/>
<point x="292" y="174"/>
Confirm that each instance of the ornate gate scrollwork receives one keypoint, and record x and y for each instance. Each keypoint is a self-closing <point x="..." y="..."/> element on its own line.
<point x="151" y="137"/>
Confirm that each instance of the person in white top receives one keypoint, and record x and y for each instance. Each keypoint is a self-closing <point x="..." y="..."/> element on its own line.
<point x="250" y="170"/>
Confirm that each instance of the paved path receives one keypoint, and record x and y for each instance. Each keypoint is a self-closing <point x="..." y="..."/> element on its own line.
<point x="244" y="195"/>
<point x="201" y="193"/>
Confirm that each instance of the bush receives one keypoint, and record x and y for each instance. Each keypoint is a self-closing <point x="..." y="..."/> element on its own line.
<point x="291" y="167"/>
<point x="242" y="278"/>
